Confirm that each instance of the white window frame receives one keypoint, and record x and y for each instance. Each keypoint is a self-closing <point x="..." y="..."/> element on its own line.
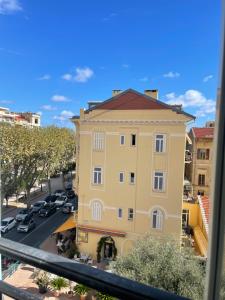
<point x="134" y="178"/>
<point x="157" y="219"/>
<point x="98" y="141"/>
<point x="163" y="183"/>
<point x="130" y="214"/>
<point x="122" y="136"/>
<point x="98" y="172"/>
<point x="118" y="213"/>
<point x="162" y="142"/>
<point x="123" y="174"/>
<point x="96" y="210"/>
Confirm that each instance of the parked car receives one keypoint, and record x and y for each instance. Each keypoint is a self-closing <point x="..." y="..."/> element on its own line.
<point x="50" y="198"/>
<point x="26" y="225"/>
<point x="59" y="193"/>
<point x="37" y="206"/>
<point x="69" y="186"/>
<point x="68" y="208"/>
<point x="47" y="210"/>
<point x="7" y="224"/>
<point x="22" y="214"/>
<point x="70" y="194"/>
<point x="60" y="201"/>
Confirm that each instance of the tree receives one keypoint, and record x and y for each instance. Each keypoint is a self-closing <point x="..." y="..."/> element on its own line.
<point x="162" y="264"/>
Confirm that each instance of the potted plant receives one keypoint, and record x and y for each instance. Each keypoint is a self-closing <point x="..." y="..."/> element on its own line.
<point x="57" y="284"/>
<point x="100" y="296"/>
<point x="42" y="280"/>
<point x="81" y="290"/>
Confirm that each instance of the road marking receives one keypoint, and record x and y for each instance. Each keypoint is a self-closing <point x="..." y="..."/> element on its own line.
<point x="32" y="231"/>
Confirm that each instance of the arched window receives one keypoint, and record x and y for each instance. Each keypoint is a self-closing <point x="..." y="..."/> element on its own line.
<point x="96" y="211"/>
<point x="157" y="219"/>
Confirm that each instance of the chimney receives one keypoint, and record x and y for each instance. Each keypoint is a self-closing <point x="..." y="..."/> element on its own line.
<point x="152" y="94"/>
<point x="116" y="92"/>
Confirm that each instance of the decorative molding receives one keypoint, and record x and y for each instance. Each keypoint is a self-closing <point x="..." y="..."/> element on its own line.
<point x="136" y="122"/>
<point x="85" y="132"/>
<point x="112" y="133"/>
<point x="177" y="135"/>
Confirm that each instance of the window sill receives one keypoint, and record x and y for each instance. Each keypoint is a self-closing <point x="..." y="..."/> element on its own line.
<point x="158" y="191"/>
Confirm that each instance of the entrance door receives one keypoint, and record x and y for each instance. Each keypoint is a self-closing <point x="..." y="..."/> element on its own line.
<point x="108" y="250"/>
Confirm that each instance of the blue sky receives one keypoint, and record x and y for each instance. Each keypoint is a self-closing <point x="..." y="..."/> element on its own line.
<point x="57" y="55"/>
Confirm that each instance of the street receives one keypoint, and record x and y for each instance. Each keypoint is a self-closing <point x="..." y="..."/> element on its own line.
<point x="44" y="227"/>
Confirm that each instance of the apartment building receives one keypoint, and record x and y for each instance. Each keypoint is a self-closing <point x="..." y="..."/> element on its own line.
<point x="199" y="172"/>
<point x="130" y="167"/>
<point x="23" y="119"/>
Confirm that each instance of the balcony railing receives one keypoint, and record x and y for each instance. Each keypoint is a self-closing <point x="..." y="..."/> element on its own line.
<point x="111" y="284"/>
<point x="188" y="156"/>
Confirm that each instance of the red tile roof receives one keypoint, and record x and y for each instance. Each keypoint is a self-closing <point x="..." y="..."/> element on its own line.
<point x="205" y="205"/>
<point x="204" y="132"/>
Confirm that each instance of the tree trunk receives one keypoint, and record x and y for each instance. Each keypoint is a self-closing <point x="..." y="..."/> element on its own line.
<point x="49" y="185"/>
<point x="7" y="200"/>
<point x="28" y="198"/>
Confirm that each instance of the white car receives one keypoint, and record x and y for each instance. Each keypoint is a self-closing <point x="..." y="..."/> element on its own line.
<point x="7" y="224"/>
<point x="60" y="201"/>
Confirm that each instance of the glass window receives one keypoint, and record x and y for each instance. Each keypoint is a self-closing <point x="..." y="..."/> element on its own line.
<point x="120" y="213"/>
<point x="130" y="214"/>
<point x="157" y="219"/>
<point x="132" y="178"/>
<point x="97" y="175"/>
<point x="185" y="218"/>
<point x="121" y="177"/>
<point x="98" y="140"/>
<point x="160" y="143"/>
<point x="158" y="181"/>
<point x="203" y="154"/>
<point x="96" y="211"/>
<point x="201" y="179"/>
<point x="133" y="139"/>
<point x="122" y="140"/>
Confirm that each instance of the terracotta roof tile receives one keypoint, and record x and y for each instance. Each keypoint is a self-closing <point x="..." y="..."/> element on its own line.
<point x="205" y="205"/>
<point x="204" y="132"/>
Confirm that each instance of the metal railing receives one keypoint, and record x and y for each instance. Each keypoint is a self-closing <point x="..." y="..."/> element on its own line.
<point x="108" y="283"/>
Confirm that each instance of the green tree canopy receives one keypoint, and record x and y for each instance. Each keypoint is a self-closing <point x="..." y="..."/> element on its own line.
<point x="162" y="264"/>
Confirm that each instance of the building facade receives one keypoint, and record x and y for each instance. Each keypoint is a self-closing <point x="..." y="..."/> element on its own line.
<point x="130" y="153"/>
<point x="24" y="119"/>
<point x="200" y="170"/>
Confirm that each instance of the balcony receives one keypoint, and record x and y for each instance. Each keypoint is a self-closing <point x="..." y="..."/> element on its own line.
<point x="111" y="284"/>
<point x="188" y="157"/>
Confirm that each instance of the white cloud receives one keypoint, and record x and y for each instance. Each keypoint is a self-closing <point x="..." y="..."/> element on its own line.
<point x="6" y="101"/>
<point x="67" y="76"/>
<point x="60" y="98"/>
<point x="81" y="75"/>
<point x="64" y="115"/>
<point x="144" y="79"/>
<point x="207" y="78"/>
<point x="48" y="107"/>
<point x="195" y="99"/>
<point x="171" y="74"/>
<point x="125" y="66"/>
<point x="9" y="6"/>
<point x="45" y="77"/>
<point x="110" y="16"/>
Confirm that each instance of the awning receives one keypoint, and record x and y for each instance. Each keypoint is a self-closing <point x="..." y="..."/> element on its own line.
<point x="201" y="241"/>
<point x="69" y="224"/>
<point x="101" y="230"/>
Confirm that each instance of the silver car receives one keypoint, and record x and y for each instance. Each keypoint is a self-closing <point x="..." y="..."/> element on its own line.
<point x="7" y="224"/>
<point x="26" y="225"/>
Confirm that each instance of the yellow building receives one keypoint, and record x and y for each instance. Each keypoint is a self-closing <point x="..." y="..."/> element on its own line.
<point x="199" y="172"/>
<point x="130" y="166"/>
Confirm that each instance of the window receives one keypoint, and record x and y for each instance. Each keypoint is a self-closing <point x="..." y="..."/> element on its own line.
<point x="133" y="139"/>
<point x="122" y="140"/>
<point x="121" y="177"/>
<point x="160" y="143"/>
<point x="82" y="236"/>
<point x="97" y="175"/>
<point x="98" y="141"/>
<point x="157" y="219"/>
<point x="201" y="179"/>
<point x="130" y="214"/>
<point x="132" y="178"/>
<point x="185" y="218"/>
<point x="120" y="213"/>
<point x="36" y="121"/>
<point x="203" y="154"/>
<point x="96" y="211"/>
<point x="158" y="181"/>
